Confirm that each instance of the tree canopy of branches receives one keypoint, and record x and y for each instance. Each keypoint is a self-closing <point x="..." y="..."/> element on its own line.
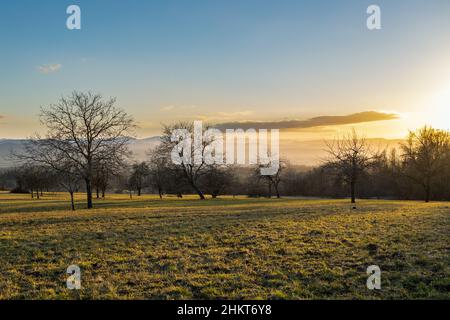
<point x="217" y="179"/>
<point x="103" y="172"/>
<point x="159" y="170"/>
<point x="272" y="181"/>
<point x="83" y="130"/>
<point x="426" y="155"/>
<point x="32" y="178"/>
<point x="139" y="177"/>
<point x="67" y="177"/>
<point x="350" y="157"/>
<point x="192" y="171"/>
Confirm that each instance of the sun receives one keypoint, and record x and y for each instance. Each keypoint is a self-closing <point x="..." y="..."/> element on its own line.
<point x="438" y="111"/>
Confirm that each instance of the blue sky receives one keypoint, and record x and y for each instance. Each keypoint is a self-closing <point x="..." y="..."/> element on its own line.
<point x="222" y="60"/>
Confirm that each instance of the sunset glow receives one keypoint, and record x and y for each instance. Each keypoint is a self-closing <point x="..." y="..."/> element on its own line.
<point x="439" y="112"/>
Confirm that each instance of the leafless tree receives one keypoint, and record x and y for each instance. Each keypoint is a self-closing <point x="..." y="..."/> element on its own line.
<point x="16" y="175"/>
<point x="159" y="170"/>
<point x="139" y="177"/>
<point x="217" y="179"/>
<point x="4" y="177"/>
<point x="62" y="170"/>
<point x="29" y="175"/>
<point x="83" y="129"/>
<point x="69" y="180"/>
<point x="426" y="155"/>
<point x="350" y="156"/>
<point x="103" y="173"/>
<point x="193" y="171"/>
<point x="272" y="181"/>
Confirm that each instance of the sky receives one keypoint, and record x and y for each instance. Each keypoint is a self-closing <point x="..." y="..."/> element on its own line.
<point x="224" y="61"/>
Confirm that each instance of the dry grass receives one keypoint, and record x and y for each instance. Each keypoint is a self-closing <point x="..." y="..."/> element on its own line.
<point x="226" y="248"/>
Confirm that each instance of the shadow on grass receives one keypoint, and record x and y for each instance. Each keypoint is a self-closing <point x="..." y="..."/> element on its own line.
<point x="173" y="216"/>
<point x="43" y="205"/>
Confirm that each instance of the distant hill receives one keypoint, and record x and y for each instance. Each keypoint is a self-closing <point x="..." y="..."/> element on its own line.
<point x="6" y="147"/>
<point x="308" y="153"/>
<point x="139" y="148"/>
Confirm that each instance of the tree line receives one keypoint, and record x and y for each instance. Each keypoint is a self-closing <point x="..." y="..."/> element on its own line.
<point x="86" y="149"/>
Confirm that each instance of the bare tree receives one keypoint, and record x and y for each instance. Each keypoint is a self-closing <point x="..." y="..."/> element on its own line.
<point x="103" y="173"/>
<point x="5" y="179"/>
<point x="350" y="157"/>
<point x="426" y="155"/>
<point x="29" y="175"/>
<point x="69" y="180"/>
<point x="192" y="171"/>
<point x="17" y="176"/>
<point x="57" y="166"/>
<point x="272" y="181"/>
<point x="158" y="170"/>
<point x="216" y="179"/>
<point x="139" y="177"/>
<point x="83" y="129"/>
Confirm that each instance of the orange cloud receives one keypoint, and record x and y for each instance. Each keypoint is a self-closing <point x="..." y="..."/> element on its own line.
<point x="367" y="116"/>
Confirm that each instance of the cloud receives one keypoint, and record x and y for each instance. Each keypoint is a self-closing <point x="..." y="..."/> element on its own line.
<point x="235" y="114"/>
<point x="177" y="108"/>
<point x="167" y="108"/>
<point x="367" y="116"/>
<point x="222" y="116"/>
<point x="49" y="68"/>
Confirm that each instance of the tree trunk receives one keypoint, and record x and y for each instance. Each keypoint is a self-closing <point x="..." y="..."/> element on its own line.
<point x="160" y="193"/>
<point x="139" y="192"/>
<point x="277" y="191"/>
<point x="427" y="193"/>
<point x="72" y="203"/>
<point x="200" y="194"/>
<point x="89" y="193"/>
<point x="103" y="193"/>
<point x="352" y="191"/>
<point x="98" y="193"/>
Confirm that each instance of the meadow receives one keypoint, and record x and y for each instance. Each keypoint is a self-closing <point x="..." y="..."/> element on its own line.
<point x="226" y="248"/>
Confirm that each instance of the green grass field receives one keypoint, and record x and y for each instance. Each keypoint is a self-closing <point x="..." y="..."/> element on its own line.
<point x="226" y="248"/>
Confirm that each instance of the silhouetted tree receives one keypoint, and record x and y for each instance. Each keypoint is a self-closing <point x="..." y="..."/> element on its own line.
<point x="426" y="155"/>
<point x="272" y="181"/>
<point x="193" y="170"/>
<point x="216" y="179"/>
<point x="350" y="157"/>
<point x="139" y="177"/>
<point x="68" y="178"/>
<point x="83" y="129"/>
<point x="159" y="170"/>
